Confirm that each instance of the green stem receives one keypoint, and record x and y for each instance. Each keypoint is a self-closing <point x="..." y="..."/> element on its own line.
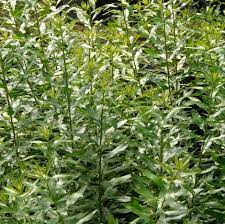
<point x="166" y="50"/>
<point x="129" y="44"/>
<point x="66" y="85"/>
<point x="45" y="69"/>
<point x="90" y="64"/>
<point x="38" y="23"/>
<point x="8" y="101"/>
<point x="100" y="170"/>
<point x="161" y="152"/>
<point x="24" y="71"/>
<point x="13" y="16"/>
<point x="61" y="219"/>
<point x="28" y="81"/>
<point x="175" y="42"/>
<point x="112" y="67"/>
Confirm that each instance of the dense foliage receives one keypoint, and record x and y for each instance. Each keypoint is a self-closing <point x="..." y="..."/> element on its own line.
<point x="118" y="122"/>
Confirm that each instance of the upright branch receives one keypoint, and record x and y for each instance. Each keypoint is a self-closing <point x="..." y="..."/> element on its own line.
<point x="166" y="49"/>
<point x="175" y="40"/>
<point x="45" y="68"/>
<point x="51" y="194"/>
<point x="112" y="65"/>
<point x="67" y="90"/>
<point x="38" y="24"/>
<point x="10" y="110"/>
<point x="16" y="23"/>
<point x="100" y="170"/>
<point x="161" y="151"/>
<point x="28" y="81"/>
<point x="125" y="18"/>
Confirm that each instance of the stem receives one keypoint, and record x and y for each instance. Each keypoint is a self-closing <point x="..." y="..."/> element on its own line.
<point x="129" y="43"/>
<point x="166" y="50"/>
<point x="44" y="69"/>
<point x="90" y="64"/>
<point x="61" y="219"/>
<point x="24" y="71"/>
<point x="175" y="41"/>
<point x="8" y="101"/>
<point x="66" y="85"/>
<point x="38" y="23"/>
<point x="161" y="152"/>
<point x="126" y="27"/>
<point x="40" y="36"/>
<point x="100" y="171"/>
<point x="112" y="67"/>
<point x="13" y="16"/>
<point x="28" y="81"/>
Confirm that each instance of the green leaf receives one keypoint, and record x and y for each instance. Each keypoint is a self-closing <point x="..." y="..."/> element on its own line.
<point x="217" y="214"/>
<point x="11" y="191"/>
<point x="142" y="212"/>
<point x="147" y="194"/>
<point x="157" y="180"/>
<point x="86" y="218"/>
<point x="112" y="220"/>
<point x="220" y="160"/>
<point x="10" y="111"/>
<point x="73" y="198"/>
<point x="82" y="17"/>
<point x="116" y="151"/>
<point x="119" y="180"/>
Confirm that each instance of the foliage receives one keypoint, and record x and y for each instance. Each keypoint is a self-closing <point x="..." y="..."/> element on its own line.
<point x="118" y="122"/>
